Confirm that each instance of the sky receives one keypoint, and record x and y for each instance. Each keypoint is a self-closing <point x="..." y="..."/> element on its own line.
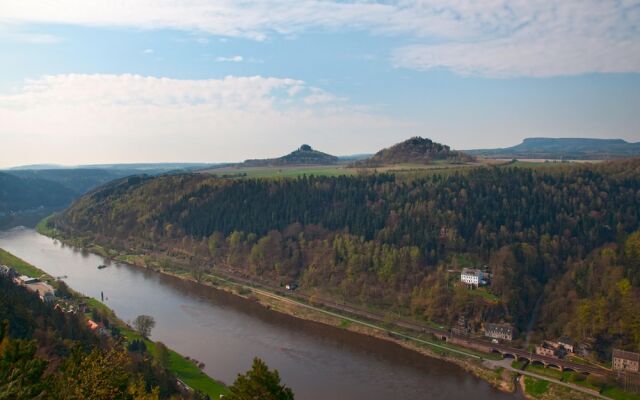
<point x="105" y="81"/>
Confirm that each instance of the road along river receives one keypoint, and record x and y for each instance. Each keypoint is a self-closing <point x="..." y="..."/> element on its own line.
<point x="225" y="332"/>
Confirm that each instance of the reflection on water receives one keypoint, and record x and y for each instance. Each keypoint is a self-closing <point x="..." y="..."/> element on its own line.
<point x="226" y="332"/>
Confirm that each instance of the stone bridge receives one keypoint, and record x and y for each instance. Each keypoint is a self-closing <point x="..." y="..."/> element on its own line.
<point x="519" y="354"/>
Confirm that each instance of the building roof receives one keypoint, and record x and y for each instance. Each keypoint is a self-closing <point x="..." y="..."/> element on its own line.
<point x="94" y="325"/>
<point x="566" y="340"/>
<point x="472" y="271"/>
<point x="502" y="328"/>
<point x="27" y="279"/>
<point x="627" y="355"/>
<point x="42" y="288"/>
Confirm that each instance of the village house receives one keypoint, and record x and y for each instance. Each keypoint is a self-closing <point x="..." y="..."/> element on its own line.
<point x="626" y="361"/>
<point x="498" y="331"/>
<point x="25" y="280"/>
<point x="97" y="327"/>
<point x="551" y="349"/>
<point x="43" y="289"/>
<point x="473" y="277"/>
<point x="568" y="344"/>
<point x="7" y="271"/>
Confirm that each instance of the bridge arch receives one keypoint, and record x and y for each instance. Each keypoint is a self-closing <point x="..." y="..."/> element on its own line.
<point x="538" y="363"/>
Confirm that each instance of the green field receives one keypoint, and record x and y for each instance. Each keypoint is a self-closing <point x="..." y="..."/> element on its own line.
<point x="535" y="387"/>
<point x="185" y="370"/>
<point x="282" y="172"/>
<point x="618" y="394"/>
<point x="19" y="265"/>
<point x="540" y="370"/>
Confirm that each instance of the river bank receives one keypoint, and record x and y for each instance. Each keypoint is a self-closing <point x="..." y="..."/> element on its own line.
<point x="469" y="360"/>
<point x="183" y="368"/>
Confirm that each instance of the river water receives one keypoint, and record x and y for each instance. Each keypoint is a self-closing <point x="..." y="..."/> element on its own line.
<point x="225" y="332"/>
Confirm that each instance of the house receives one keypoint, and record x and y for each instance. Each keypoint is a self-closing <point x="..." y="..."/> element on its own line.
<point x="97" y="327"/>
<point x="544" y="350"/>
<point x="43" y="289"/>
<point x="498" y="331"/>
<point x="473" y="277"/>
<point x="568" y="344"/>
<point x="551" y="349"/>
<point x="7" y="271"/>
<point x="25" y="280"/>
<point x="626" y="361"/>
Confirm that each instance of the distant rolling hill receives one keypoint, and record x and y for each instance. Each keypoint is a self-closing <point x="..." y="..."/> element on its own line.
<point x="29" y="193"/>
<point x="78" y="180"/>
<point x="23" y="201"/>
<point x="416" y="150"/>
<point x="304" y="155"/>
<point x="564" y="148"/>
<point x="18" y="194"/>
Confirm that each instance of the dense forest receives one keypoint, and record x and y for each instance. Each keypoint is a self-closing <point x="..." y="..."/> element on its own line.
<point x="78" y="180"/>
<point x="26" y="193"/>
<point x="48" y="354"/>
<point x="563" y="235"/>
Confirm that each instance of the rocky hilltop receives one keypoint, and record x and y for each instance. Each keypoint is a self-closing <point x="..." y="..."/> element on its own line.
<point x="416" y="150"/>
<point x="304" y="155"/>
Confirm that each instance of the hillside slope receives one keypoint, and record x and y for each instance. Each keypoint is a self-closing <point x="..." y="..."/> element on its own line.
<point x="79" y="180"/>
<point x="565" y="148"/>
<point x="28" y="193"/>
<point x="416" y="150"/>
<point x="386" y="241"/>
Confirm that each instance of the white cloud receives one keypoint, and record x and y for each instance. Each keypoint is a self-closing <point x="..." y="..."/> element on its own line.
<point x="10" y="33"/>
<point x="125" y="118"/>
<point x="555" y="39"/>
<point x="229" y="59"/>
<point x="486" y="37"/>
<point x="147" y="51"/>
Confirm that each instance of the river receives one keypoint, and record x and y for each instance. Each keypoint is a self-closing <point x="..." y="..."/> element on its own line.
<point x="226" y="332"/>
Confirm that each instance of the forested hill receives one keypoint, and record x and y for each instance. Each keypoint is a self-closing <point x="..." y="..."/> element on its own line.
<point x="416" y="150"/>
<point x="565" y="148"/>
<point x="17" y="194"/>
<point x="389" y="240"/>
<point x="305" y="155"/>
<point x="78" y="180"/>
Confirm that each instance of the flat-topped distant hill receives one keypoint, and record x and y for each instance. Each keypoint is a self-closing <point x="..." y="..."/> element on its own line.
<point x="416" y="150"/>
<point x="305" y="155"/>
<point x="564" y="148"/>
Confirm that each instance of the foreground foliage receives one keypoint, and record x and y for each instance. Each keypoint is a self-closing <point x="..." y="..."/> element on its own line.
<point x="259" y="383"/>
<point x="48" y="354"/>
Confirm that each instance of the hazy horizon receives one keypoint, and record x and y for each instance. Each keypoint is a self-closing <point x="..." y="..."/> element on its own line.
<point x="219" y="81"/>
<point x="42" y="165"/>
